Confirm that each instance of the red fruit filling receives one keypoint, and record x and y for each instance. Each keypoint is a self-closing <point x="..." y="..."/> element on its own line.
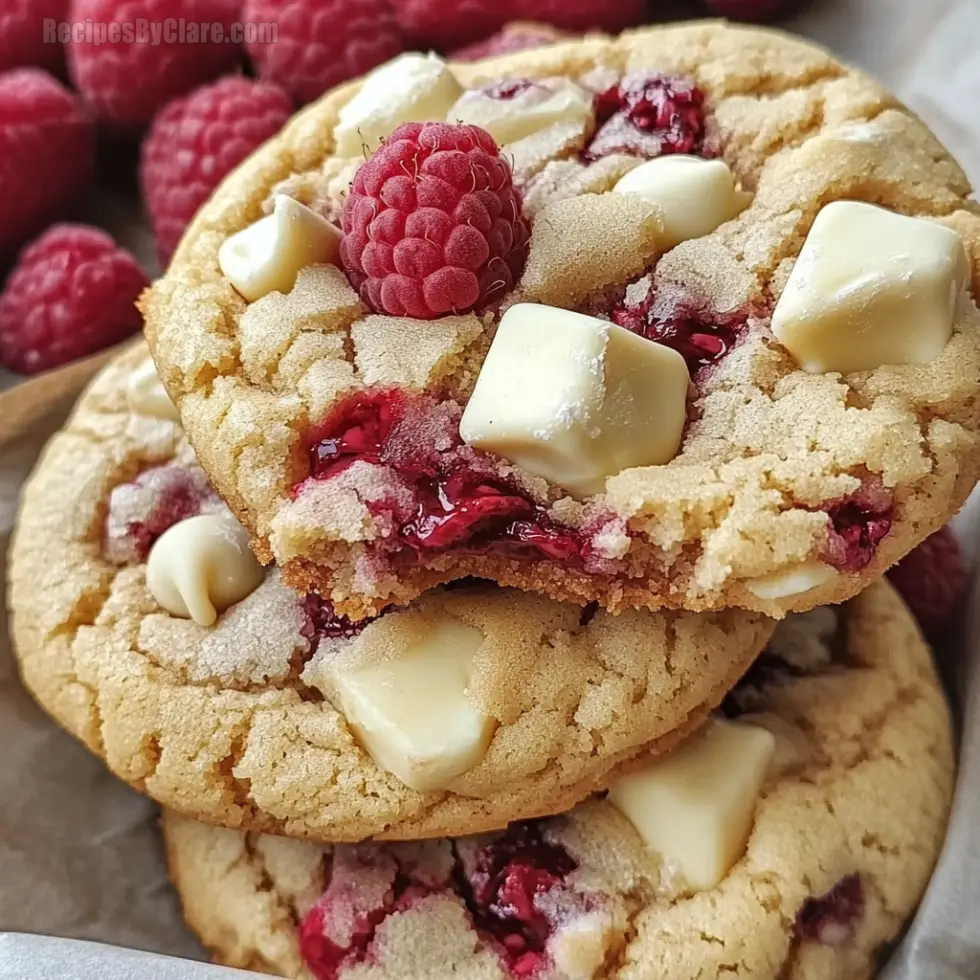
<point x="323" y="622"/>
<point x="366" y="886"/>
<point x="140" y="511"/>
<point x="508" y="89"/>
<point x="672" y="318"/>
<point x="857" y="525"/>
<point x="647" y="115"/>
<point x="831" y="919"/>
<point x="510" y="889"/>
<point x="454" y="498"/>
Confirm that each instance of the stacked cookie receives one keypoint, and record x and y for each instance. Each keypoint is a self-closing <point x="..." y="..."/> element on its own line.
<point x="515" y="403"/>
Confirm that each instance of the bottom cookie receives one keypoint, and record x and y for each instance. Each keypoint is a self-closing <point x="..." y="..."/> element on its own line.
<point x="838" y="761"/>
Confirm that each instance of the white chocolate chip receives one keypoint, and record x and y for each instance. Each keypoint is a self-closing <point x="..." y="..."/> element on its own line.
<point x="145" y="394"/>
<point x="201" y="566"/>
<point x="267" y="256"/>
<point x="793" y="581"/>
<point x="694" y="195"/>
<point x="529" y="110"/>
<point x="696" y="805"/>
<point x="411" y="712"/>
<point x="579" y="947"/>
<point x="575" y="399"/>
<point x="411" y="88"/>
<point x="870" y="287"/>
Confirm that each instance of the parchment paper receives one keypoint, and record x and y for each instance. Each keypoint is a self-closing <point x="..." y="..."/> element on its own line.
<point x="79" y="852"/>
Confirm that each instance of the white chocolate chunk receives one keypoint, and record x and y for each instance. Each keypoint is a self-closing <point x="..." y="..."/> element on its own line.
<point x="201" y="566"/>
<point x="411" y="88"/>
<point x="696" y="805"/>
<point x="793" y="581"/>
<point x="694" y="195"/>
<point x="411" y="712"/>
<point x="575" y="399"/>
<point x="529" y="110"/>
<point x="580" y="947"/>
<point x="267" y="256"/>
<point x="145" y="394"/>
<point x="870" y="287"/>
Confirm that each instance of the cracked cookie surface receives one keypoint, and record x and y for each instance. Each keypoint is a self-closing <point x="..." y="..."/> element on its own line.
<point x="234" y="723"/>
<point x="847" y="828"/>
<point x="790" y="489"/>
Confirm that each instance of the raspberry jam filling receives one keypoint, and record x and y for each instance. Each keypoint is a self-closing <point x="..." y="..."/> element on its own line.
<point x="648" y="115"/>
<point x="857" y="525"/>
<point x="508" y="89"/>
<point x="457" y="502"/>
<point x="324" y="623"/>
<point x="514" y="887"/>
<point x="140" y="511"/>
<point x="674" y="319"/>
<point x="831" y="919"/>
<point x="510" y="890"/>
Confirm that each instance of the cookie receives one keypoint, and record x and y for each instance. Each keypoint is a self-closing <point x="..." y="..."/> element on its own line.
<point x="840" y="755"/>
<point x="386" y="383"/>
<point x="471" y="708"/>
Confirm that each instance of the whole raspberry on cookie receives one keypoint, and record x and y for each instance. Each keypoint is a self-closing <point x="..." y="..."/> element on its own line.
<point x="23" y="42"/>
<point x="161" y="51"/>
<point x="518" y="36"/>
<point x="47" y="146"/>
<point x="932" y="580"/>
<point x="451" y="25"/>
<point x="198" y="139"/>
<point x="320" y="43"/>
<point x="72" y="293"/>
<point x="433" y="224"/>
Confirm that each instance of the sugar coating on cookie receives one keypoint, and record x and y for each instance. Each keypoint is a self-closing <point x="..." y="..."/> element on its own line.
<point x="732" y="195"/>
<point x="829" y="823"/>
<point x="264" y="708"/>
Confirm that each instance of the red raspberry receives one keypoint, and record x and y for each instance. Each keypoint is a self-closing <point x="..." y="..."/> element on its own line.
<point x="22" y="38"/>
<point x="321" y="43"/>
<point x="126" y="82"/>
<point x="433" y="223"/>
<point x="72" y="292"/>
<point x="932" y="580"/>
<point x="510" y="39"/>
<point x="46" y="154"/>
<point x="745" y="9"/>
<point x="449" y="25"/>
<point x="196" y="141"/>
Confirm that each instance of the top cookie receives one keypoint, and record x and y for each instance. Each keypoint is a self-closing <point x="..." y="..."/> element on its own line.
<point x="767" y="396"/>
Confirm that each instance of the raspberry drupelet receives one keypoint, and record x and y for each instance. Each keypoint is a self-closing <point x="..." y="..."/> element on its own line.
<point x="433" y="224"/>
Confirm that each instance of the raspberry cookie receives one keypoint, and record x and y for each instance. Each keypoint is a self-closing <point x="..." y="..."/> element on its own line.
<point x="146" y="627"/>
<point x="790" y="840"/>
<point x="682" y="319"/>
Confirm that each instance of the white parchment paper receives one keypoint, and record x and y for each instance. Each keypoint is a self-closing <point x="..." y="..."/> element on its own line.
<point x="79" y="852"/>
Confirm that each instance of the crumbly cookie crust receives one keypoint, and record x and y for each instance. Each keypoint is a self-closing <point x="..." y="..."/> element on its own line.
<point x="772" y="447"/>
<point x="860" y="786"/>
<point x="229" y="723"/>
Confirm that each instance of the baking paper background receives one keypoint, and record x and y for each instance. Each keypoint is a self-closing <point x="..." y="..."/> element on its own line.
<point x="79" y="852"/>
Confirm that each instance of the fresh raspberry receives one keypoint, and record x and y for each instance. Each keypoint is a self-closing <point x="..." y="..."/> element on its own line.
<point x="518" y="36"/>
<point x="71" y="293"/>
<point x="46" y="154"/>
<point x="196" y="141"/>
<point x="22" y="39"/>
<point x="932" y="580"/>
<point x="433" y="223"/>
<point x="125" y="82"/>
<point x="745" y="9"/>
<point x="449" y="25"/>
<point x="857" y="525"/>
<point x="321" y="43"/>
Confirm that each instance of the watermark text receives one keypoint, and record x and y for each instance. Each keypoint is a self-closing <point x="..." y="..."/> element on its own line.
<point x="172" y="30"/>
